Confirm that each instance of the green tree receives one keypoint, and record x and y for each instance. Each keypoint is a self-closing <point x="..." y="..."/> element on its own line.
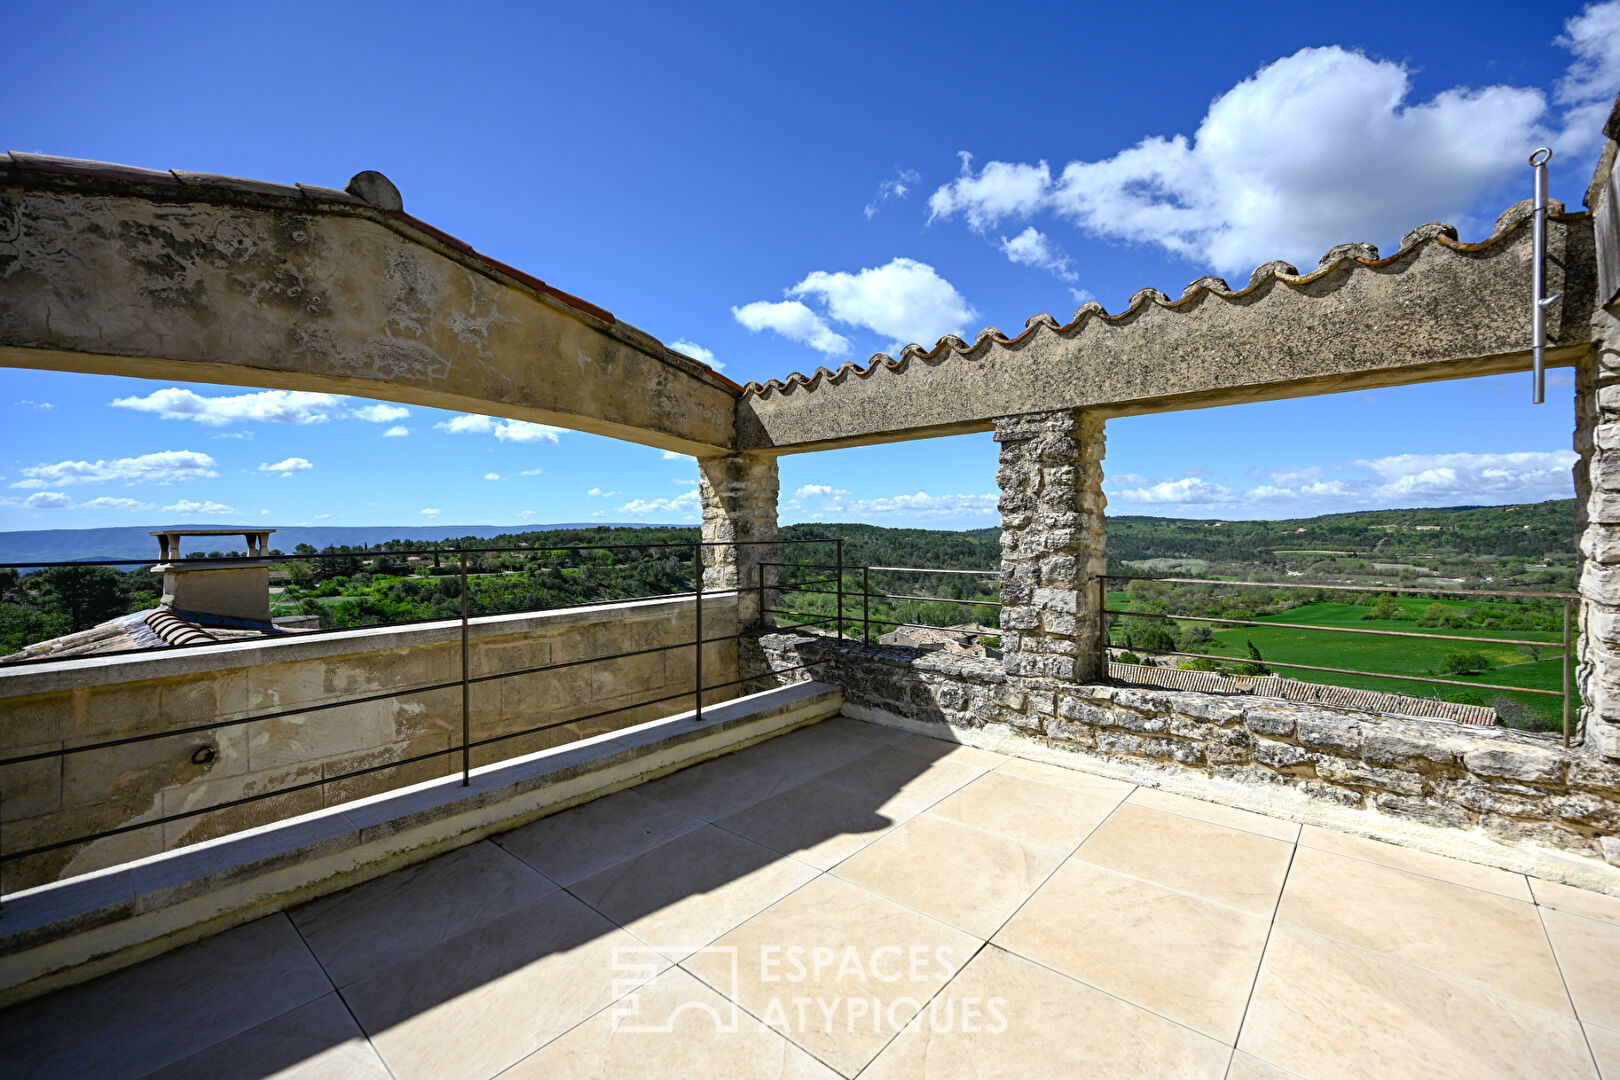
<point x="1464" y="663"/>
<point x="1385" y="608"/>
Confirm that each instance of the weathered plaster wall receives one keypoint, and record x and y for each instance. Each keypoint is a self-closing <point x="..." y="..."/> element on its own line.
<point x="1515" y="788"/>
<point x="262" y="285"/>
<point x="1436" y="309"/>
<point x="82" y="701"/>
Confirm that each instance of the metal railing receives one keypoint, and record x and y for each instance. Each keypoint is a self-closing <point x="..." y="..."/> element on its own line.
<point x="865" y="595"/>
<point x="466" y="680"/>
<point x="1566" y="646"/>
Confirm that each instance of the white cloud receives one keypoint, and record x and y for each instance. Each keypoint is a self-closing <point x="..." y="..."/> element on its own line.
<point x="794" y="321"/>
<point x="322" y="517"/>
<point x="492" y="476"/>
<point x="287" y="466"/>
<point x="598" y="493"/>
<point x="188" y="506"/>
<point x="163" y="467"/>
<point x="531" y="472"/>
<point x="431" y="511"/>
<point x="904" y="300"/>
<point x="380" y="413"/>
<point x="263" y="512"/>
<point x="43" y="406"/>
<point x="1588" y="88"/>
<point x="398" y="431"/>
<point x="897" y="187"/>
<point x="1432" y="479"/>
<point x="1034" y="248"/>
<point x="815" y="491"/>
<point x="1271" y="171"/>
<point x="921" y="504"/>
<point x="1189" y="489"/>
<point x="686" y="502"/>
<point x="47" y="500"/>
<point x="671" y="455"/>
<point x="518" y="431"/>
<point x="696" y="352"/>
<point x="525" y="513"/>
<point x="265" y="406"/>
<point x="683" y="481"/>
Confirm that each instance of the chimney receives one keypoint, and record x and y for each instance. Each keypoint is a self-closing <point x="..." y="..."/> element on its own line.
<point x="221" y="589"/>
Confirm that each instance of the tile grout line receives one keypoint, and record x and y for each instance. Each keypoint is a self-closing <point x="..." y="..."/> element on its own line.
<point x="1420" y="873"/>
<point x="1564" y="981"/>
<point x="375" y="1049"/>
<point x="1271" y="926"/>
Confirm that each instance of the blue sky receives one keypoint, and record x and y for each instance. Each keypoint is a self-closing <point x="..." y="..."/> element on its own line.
<point x="780" y="187"/>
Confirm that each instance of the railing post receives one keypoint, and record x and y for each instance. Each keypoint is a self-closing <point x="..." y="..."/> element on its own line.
<point x="1566" y="671"/>
<point x="697" y="633"/>
<point x="1105" y="638"/>
<point x="466" y="702"/>
<point x="840" y="562"/>
<point x="866" y="605"/>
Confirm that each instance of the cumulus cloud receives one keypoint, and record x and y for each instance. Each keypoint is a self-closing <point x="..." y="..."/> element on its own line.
<point x="671" y="455"/>
<point x="1489" y="478"/>
<point x="1193" y="490"/>
<point x="299" y="407"/>
<point x="1270" y="172"/>
<point x="896" y="187"/>
<point x="287" y="466"/>
<point x="794" y="321"/>
<point x="380" y="413"/>
<point x="921" y="504"/>
<point x="1034" y="248"/>
<point x="598" y="493"/>
<point x="817" y="491"/>
<point x="163" y="467"/>
<point x="492" y="476"/>
<point x="430" y="512"/>
<point x="189" y="506"/>
<point x="684" y="503"/>
<point x="518" y="431"/>
<point x="696" y="352"/>
<point x="48" y="500"/>
<point x="107" y="502"/>
<point x="398" y="431"/>
<point x="43" y="406"/>
<point x="531" y="472"/>
<point x="904" y="300"/>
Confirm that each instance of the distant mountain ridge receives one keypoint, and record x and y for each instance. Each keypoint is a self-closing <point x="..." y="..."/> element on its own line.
<point x="134" y="541"/>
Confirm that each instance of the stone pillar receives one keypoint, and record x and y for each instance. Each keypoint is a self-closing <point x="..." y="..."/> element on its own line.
<point x="1597" y="526"/>
<point x="739" y="503"/>
<point x="1053" y="532"/>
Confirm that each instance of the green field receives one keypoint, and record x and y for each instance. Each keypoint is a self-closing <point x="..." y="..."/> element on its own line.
<point x="1512" y="664"/>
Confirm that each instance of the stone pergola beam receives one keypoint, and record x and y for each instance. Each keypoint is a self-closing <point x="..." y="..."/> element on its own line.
<point x="114" y="270"/>
<point x="1436" y="309"/>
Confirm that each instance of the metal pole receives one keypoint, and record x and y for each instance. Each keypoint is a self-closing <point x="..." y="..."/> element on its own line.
<point x="866" y="605"/>
<point x="1538" y="276"/>
<point x="466" y="706"/>
<point x="840" y="588"/>
<point x="1566" y="671"/>
<point x="697" y="622"/>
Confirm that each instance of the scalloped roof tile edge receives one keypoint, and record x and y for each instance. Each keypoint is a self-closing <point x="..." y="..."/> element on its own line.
<point x="107" y="170"/>
<point x="1350" y="255"/>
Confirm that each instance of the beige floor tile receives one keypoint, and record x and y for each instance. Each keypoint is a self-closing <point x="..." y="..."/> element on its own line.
<point x="1594" y="905"/>
<point x="1215" y="813"/>
<point x="945" y="750"/>
<point x="870" y="963"/>
<point x="1605" y="1046"/>
<point x="150" y="1015"/>
<point x="1475" y="876"/>
<point x="1328" y="1011"/>
<point x="1030" y="1023"/>
<point x="1188" y="959"/>
<point x="1247" y="1067"/>
<point x="318" y="1041"/>
<point x="1045" y="815"/>
<point x="1216" y="862"/>
<point x="863" y="729"/>
<point x="688" y="891"/>
<point x="820" y="823"/>
<point x="577" y="843"/>
<point x="719" y="788"/>
<point x="403" y="914"/>
<point x="815" y="749"/>
<point x="1450" y="929"/>
<point x="889" y="772"/>
<point x="1102" y="787"/>
<point x="675" y="1029"/>
<point x="1589" y="956"/>
<point x="969" y="878"/>
<point x="484" y="1000"/>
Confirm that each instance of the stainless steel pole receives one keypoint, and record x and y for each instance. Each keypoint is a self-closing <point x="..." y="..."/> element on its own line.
<point x="1538" y="276"/>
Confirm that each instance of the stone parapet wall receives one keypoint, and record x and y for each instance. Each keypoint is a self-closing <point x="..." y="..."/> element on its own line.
<point x="1597" y="523"/>
<point x="1511" y="786"/>
<point x="76" y="702"/>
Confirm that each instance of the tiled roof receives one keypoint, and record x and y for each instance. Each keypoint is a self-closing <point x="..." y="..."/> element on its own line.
<point x="1349" y="257"/>
<point x="1342" y="697"/>
<point x="310" y="196"/>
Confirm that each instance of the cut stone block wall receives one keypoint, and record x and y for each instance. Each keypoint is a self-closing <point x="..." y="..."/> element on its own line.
<point x="1053" y="547"/>
<point x="739" y="496"/>
<point x="1597" y="523"/>
<point x="1511" y="786"/>
<point x="84" y="701"/>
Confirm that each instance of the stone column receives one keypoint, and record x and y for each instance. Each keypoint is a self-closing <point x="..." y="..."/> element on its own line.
<point x="739" y="503"/>
<point x="1053" y="532"/>
<point x="1597" y="525"/>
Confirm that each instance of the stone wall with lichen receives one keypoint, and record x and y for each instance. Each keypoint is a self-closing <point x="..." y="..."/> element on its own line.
<point x="1512" y="786"/>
